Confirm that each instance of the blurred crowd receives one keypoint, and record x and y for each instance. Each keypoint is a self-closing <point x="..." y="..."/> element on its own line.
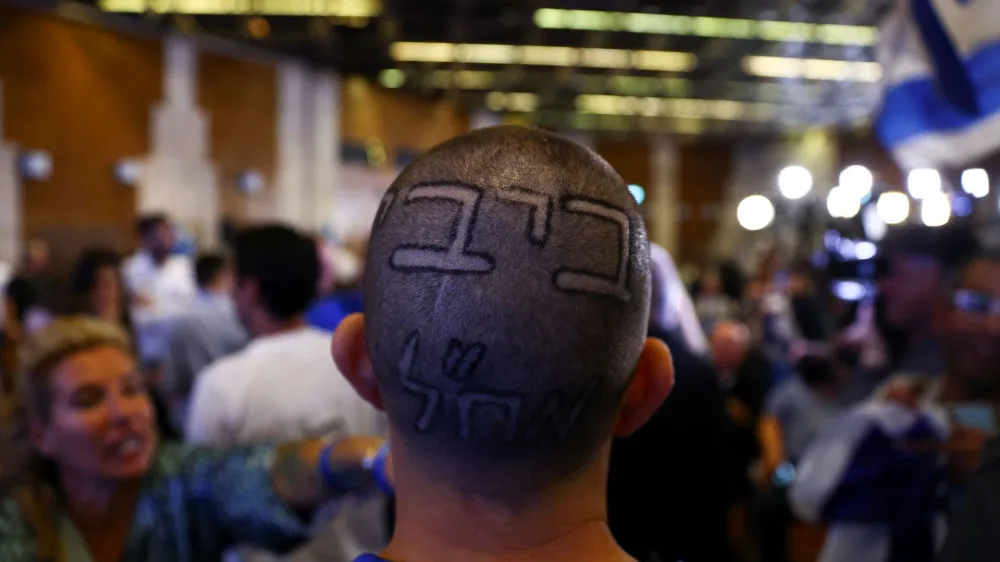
<point x="799" y="426"/>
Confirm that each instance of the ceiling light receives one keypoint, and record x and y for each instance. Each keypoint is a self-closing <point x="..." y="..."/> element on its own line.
<point x="976" y="182"/>
<point x="661" y="61"/>
<point x="794" y="182"/>
<point x="842" y="203"/>
<point x="392" y="78"/>
<point x="893" y="207"/>
<point x="697" y="26"/>
<point x="812" y="69"/>
<point x="857" y="179"/>
<point x="935" y="210"/>
<point x="724" y="110"/>
<point x="923" y="182"/>
<point x="755" y="212"/>
<point x="522" y="102"/>
<point x="328" y="8"/>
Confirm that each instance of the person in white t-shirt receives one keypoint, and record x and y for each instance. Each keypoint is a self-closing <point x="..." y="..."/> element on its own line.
<point x="283" y="385"/>
<point x="160" y="283"/>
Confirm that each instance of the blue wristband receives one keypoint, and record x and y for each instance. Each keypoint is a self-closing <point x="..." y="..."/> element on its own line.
<point x="330" y="476"/>
<point x="377" y="466"/>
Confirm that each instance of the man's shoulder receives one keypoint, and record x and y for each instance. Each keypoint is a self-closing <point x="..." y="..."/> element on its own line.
<point x="225" y="371"/>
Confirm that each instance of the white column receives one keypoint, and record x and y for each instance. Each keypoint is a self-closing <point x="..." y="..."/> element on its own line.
<point x="291" y="170"/>
<point x="308" y="146"/>
<point x="178" y="178"/>
<point x="325" y="149"/>
<point x="664" y="194"/>
<point x="10" y="199"/>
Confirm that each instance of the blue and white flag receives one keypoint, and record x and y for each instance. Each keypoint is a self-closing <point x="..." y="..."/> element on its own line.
<point x="941" y="72"/>
<point x="868" y="479"/>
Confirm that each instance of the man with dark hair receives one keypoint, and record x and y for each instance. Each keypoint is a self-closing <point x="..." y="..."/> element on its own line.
<point x="281" y="386"/>
<point x="160" y="286"/>
<point x="917" y="262"/>
<point x="209" y="330"/>
<point x="507" y="300"/>
<point x="241" y="398"/>
<point x="212" y="271"/>
<point x="973" y="385"/>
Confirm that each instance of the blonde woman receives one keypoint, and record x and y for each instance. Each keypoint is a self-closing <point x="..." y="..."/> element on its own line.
<point x="102" y="489"/>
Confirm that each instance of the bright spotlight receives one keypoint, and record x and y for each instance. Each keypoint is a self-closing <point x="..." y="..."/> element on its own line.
<point x="935" y="210"/>
<point x="857" y="179"/>
<point x="893" y="207"/>
<point x="923" y="182"/>
<point x="976" y="182"/>
<point x="794" y="182"/>
<point x="843" y="203"/>
<point x="755" y="212"/>
<point x="865" y="250"/>
<point x="875" y="228"/>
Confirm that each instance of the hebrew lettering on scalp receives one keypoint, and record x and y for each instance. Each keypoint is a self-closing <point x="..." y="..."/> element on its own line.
<point x="456" y="258"/>
<point x="383" y="208"/>
<point x="461" y="359"/>
<point x="540" y="221"/>
<point x="589" y="282"/>
<point x="559" y="416"/>
<point x="508" y="404"/>
<point x="431" y="395"/>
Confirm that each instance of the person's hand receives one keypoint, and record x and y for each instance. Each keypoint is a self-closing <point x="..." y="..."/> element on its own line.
<point x="738" y="412"/>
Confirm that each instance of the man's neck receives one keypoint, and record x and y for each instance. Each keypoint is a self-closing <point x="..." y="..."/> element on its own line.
<point x="159" y="258"/>
<point x="436" y="524"/>
<point x="267" y="326"/>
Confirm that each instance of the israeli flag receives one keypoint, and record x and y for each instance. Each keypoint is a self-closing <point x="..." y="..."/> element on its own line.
<point x="881" y="495"/>
<point x="941" y="72"/>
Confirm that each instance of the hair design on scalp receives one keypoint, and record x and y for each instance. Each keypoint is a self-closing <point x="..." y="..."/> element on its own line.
<point x="507" y="300"/>
<point x="580" y="281"/>
<point x="455" y="258"/>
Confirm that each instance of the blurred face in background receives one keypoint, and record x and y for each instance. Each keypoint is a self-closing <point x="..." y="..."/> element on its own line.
<point x="36" y="257"/>
<point x="912" y="291"/>
<point x="730" y="344"/>
<point x="100" y="423"/>
<point x="106" y="296"/>
<point x="710" y="284"/>
<point x="160" y="239"/>
<point x="974" y="328"/>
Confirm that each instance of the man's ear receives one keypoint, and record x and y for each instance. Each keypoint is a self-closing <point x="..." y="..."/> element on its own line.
<point x="350" y="353"/>
<point x="653" y="380"/>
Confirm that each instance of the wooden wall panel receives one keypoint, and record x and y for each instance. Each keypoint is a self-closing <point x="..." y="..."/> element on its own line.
<point x="240" y="100"/>
<point x="704" y="170"/>
<point x="400" y="120"/>
<point x="632" y="159"/>
<point x="83" y="94"/>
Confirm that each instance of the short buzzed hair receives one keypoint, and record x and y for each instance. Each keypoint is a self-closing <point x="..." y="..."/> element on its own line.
<point x="507" y="299"/>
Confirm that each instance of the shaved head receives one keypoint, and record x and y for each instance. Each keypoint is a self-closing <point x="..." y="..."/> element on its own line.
<point x="507" y="299"/>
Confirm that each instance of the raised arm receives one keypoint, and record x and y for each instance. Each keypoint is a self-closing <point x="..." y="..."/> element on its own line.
<point x="264" y="496"/>
<point x="308" y="473"/>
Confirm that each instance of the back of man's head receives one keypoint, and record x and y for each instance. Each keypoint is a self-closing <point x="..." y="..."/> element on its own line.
<point x="507" y="296"/>
<point x="282" y="265"/>
<point x="207" y="269"/>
